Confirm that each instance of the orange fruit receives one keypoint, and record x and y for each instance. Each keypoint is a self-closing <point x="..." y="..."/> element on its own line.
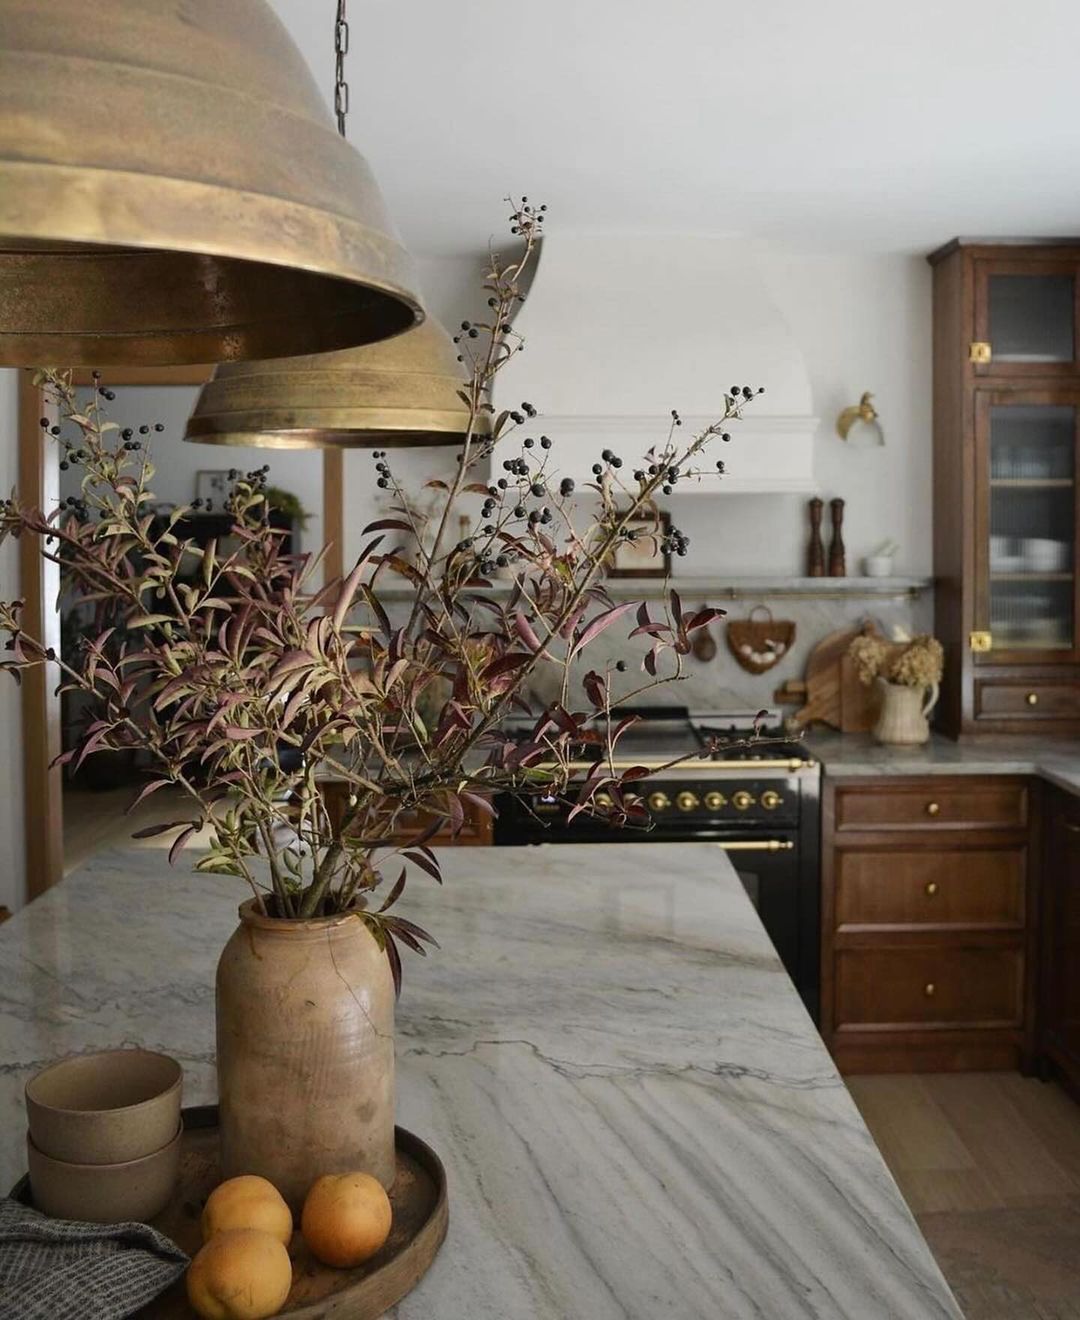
<point x="240" y="1274"/>
<point x="346" y="1218"/>
<point x="247" y="1202"/>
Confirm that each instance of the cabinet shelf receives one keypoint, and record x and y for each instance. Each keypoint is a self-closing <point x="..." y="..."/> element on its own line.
<point x="1031" y="483"/>
<point x="1031" y="577"/>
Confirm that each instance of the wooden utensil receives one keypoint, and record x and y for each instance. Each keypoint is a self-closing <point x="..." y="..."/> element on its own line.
<point x="703" y="647"/>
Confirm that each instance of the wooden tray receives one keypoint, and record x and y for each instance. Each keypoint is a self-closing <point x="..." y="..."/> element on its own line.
<point x="418" y="1197"/>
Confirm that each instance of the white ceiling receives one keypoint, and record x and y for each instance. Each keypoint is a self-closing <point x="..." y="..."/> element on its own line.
<point x="819" y="123"/>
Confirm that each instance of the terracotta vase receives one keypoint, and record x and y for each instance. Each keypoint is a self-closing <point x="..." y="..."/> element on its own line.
<point x="903" y="715"/>
<point x="305" y="1051"/>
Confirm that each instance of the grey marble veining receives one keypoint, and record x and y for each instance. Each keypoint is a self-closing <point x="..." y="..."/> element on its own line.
<point x="848" y="755"/>
<point x="636" y="1114"/>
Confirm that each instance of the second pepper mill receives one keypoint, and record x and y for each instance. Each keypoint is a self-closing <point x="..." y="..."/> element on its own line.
<point x="815" y="551"/>
<point x="837" y="553"/>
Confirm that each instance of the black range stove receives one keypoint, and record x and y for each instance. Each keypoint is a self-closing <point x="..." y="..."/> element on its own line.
<point x="741" y="783"/>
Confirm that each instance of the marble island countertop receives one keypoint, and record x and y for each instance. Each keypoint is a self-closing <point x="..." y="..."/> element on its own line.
<point x="637" y="1116"/>
<point x="851" y="755"/>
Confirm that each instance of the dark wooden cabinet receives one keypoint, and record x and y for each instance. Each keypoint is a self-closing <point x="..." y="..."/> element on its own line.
<point x="1059" y="1017"/>
<point x="475" y="828"/>
<point x="928" y="923"/>
<point x="1006" y="501"/>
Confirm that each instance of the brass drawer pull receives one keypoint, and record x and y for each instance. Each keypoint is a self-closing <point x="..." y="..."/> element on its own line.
<point x="928" y="989"/>
<point x="1032" y="698"/>
<point x="931" y="888"/>
<point x="933" y="808"/>
<point x="1073" y="829"/>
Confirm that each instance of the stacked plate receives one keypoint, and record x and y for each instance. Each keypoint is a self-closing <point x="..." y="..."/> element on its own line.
<point x="104" y="1135"/>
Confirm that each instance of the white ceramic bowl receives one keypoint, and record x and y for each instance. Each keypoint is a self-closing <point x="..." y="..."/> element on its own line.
<point x="878" y="565"/>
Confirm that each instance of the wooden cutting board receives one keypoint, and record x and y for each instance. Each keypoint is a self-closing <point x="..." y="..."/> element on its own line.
<point x="832" y="693"/>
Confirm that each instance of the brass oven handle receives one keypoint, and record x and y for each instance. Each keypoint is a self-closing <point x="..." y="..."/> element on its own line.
<point x="758" y="845"/>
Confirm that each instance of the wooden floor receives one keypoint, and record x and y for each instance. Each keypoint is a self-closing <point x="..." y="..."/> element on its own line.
<point x="95" y="821"/>
<point x="990" y="1165"/>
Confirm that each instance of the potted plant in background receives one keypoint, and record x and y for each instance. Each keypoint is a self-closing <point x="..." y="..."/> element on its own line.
<point x="246" y="689"/>
<point x="908" y="677"/>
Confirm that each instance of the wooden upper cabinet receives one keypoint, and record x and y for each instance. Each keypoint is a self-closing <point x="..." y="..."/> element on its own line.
<point x="1025" y="320"/>
<point x="1006" y="490"/>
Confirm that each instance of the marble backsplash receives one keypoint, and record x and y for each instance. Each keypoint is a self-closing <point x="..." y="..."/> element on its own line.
<point x="704" y="685"/>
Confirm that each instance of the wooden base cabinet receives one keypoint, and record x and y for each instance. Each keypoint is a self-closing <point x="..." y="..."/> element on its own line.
<point x="927" y="923"/>
<point x="1059" y="1017"/>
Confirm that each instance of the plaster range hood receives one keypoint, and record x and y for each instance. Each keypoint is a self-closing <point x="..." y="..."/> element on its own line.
<point x="620" y="329"/>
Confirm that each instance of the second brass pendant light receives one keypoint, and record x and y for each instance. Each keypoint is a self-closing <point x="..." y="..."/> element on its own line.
<point x="401" y="392"/>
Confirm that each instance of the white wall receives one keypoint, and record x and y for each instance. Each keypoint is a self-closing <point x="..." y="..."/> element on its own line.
<point x="12" y="858"/>
<point x="863" y="323"/>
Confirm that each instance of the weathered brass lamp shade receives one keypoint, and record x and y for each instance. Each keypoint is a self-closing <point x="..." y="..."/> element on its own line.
<point x="398" y="393"/>
<point x="172" y="190"/>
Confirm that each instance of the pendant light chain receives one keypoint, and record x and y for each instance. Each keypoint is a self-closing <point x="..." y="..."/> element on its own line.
<point x="341" y="49"/>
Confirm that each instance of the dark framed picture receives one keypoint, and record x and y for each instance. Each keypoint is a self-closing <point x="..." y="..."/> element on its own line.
<point x="644" y="556"/>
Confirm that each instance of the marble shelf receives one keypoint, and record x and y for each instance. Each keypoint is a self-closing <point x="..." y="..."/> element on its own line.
<point x="741" y="588"/>
<point x="637" y="1116"/>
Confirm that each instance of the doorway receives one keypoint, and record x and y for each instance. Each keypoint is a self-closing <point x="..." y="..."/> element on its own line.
<point x="70" y="817"/>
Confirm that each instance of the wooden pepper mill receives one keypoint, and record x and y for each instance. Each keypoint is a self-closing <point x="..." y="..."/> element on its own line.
<point x="815" y="552"/>
<point x="837" y="553"/>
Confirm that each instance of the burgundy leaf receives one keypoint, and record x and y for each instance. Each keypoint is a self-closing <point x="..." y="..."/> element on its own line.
<point x="597" y="626"/>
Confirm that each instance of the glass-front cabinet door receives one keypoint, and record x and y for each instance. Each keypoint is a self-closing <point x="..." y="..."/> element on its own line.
<point x="1026" y="493"/>
<point x="1026" y="318"/>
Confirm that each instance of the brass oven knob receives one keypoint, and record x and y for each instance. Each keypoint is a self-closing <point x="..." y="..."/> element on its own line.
<point x="931" y="888"/>
<point x="714" y="800"/>
<point x="659" y="801"/>
<point x="933" y="808"/>
<point x="687" y="801"/>
<point x="928" y="989"/>
<point x="604" y="800"/>
<point x="742" y="800"/>
<point x="1032" y="698"/>
<point x="770" y="799"/>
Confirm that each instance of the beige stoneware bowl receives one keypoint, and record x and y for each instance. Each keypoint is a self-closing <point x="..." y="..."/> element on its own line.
<point x="107" y="1108"/>
<point x="104" y="1193"/>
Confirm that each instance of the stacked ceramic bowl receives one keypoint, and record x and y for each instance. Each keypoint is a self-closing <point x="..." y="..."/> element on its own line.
<point x="104" y="1138"/>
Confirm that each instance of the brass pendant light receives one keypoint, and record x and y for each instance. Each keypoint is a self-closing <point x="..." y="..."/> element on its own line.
<point x="172" y="191"/>
<point x="395" y="394"/>
<point x="403" y="392"/>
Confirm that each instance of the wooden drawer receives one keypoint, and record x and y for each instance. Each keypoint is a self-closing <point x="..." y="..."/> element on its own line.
<point x="935" y="803"/>
<point x="1039" y="700"/>
<point x="966" y="887"/>
<point x="924" y="987"/>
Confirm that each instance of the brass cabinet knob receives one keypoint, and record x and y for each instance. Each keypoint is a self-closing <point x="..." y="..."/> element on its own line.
<point x="659" y="801"/>
<point x="933" y="808"/>
<point x="931" y="888"/>
<point x="1032" y="698"/>
<point x="928" y="989"/>
<point x="604" y="800"/>
<point x="714" y="800"/>
<point x="770" y="799"/>
<point x="742" y="800"/>
<point x="687" y="801"/>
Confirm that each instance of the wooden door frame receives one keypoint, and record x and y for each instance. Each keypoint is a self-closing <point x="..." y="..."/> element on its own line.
<point x="39" y="581"/>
